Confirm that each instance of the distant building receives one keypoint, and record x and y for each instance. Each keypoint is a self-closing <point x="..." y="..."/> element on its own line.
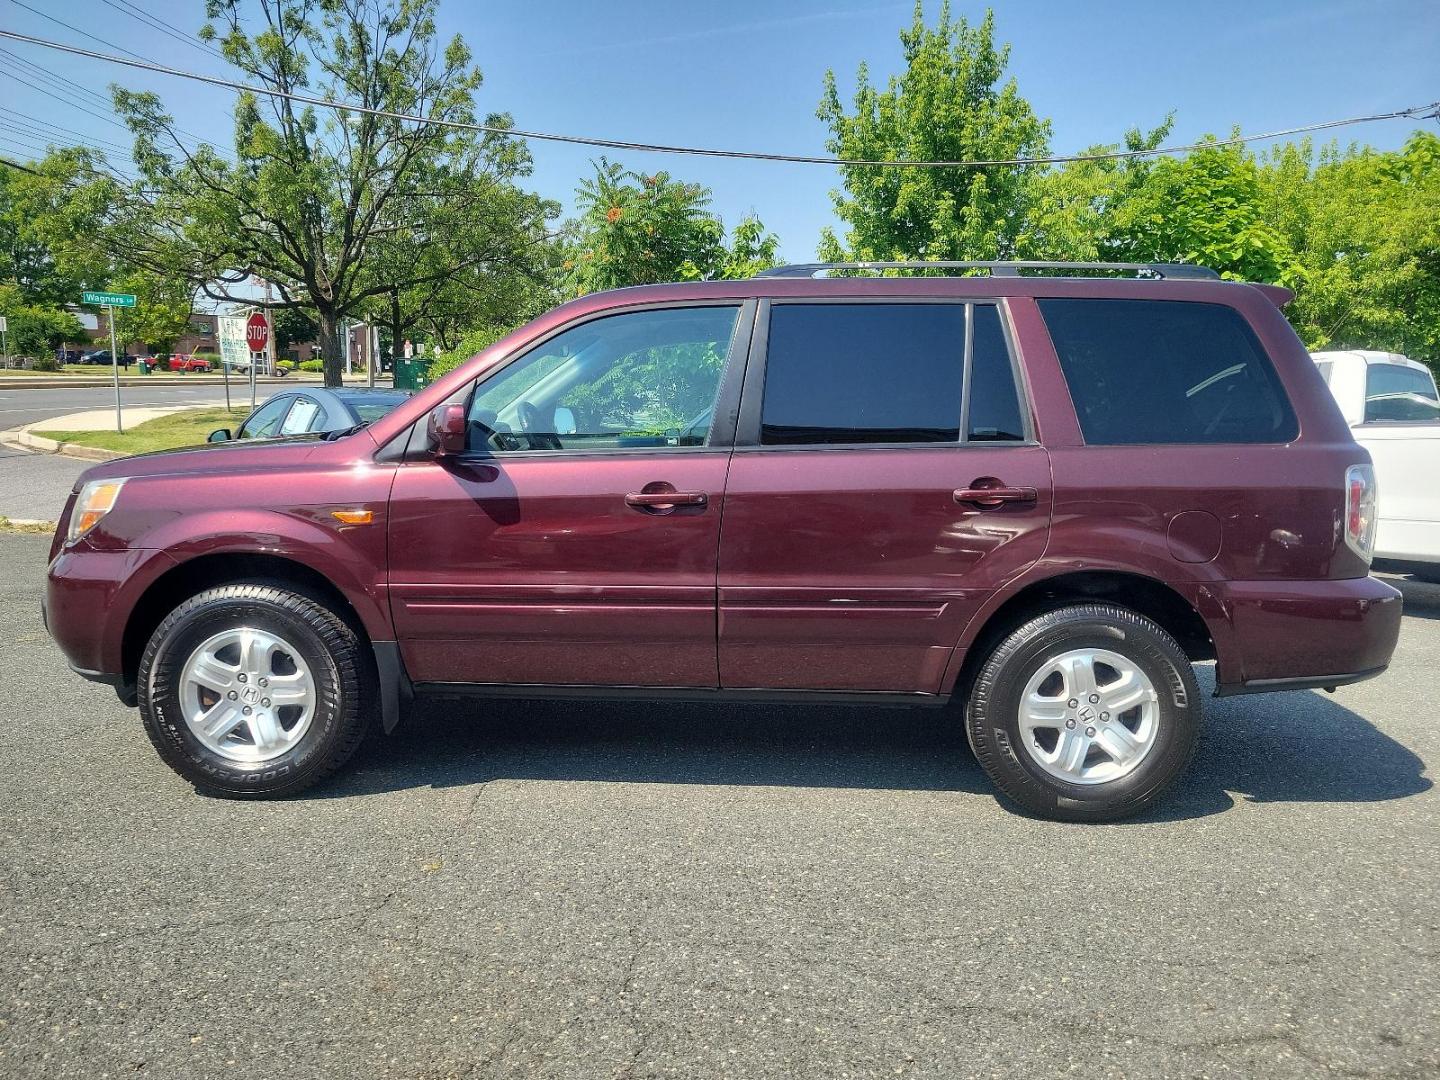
<point x="199" y="338"/>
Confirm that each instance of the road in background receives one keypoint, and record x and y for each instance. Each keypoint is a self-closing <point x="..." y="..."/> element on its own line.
<point x="522" y="889"/>
<point x="35" y="485"/>
<point x="19" y="407"/>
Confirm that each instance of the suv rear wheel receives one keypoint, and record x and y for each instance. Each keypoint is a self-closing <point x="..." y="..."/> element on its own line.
<point x="1085" y="713"/>
<point x="253" y="691"/>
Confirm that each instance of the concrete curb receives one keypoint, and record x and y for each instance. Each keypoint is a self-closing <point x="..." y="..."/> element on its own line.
<point x="21" y="439"/>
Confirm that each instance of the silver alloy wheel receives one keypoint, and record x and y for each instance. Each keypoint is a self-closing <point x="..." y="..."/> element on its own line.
<point x="1089" y="716"/>
<point x="247" y="694"/>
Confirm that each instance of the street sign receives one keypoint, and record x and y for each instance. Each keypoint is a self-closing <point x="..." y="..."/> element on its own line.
<point x="108" y="299"/>
<point x="257" y="332"/>
<point x="4" y="325"/>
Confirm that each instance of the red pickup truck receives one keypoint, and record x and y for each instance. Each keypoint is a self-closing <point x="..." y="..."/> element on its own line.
<point x="1041" y="498"/>
<point x="189" y="363"/>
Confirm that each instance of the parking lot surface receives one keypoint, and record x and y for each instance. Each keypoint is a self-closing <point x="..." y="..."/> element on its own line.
<point x="512" y="889"/>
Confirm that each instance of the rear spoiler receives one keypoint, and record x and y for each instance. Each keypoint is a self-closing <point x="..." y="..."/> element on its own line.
<point x="1277" y="294"/>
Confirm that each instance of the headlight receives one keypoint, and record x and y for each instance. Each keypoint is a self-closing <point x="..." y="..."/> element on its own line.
<point x="96" y="499"/>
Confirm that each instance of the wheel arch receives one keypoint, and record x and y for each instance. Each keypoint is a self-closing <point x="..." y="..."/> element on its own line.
<point x="1140" y="593"/>
<point x="207" y="571"/>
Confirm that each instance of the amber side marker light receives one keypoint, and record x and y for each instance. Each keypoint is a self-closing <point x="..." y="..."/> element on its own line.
<point x="353" y="517"/>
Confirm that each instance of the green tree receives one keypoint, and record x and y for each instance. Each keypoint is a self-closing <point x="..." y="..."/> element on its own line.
<point x="750" y="250"/>
<point x="35" y="329"/>
<point x="1205" y="208"/>
<point x="641" y="229"/>
<point x="1365" y="230"/>
<point x="949" y="104"/>
<point x="1073" y="209"/>
<point x="638" y="229"/>
<point x="316" y="204"/>
<point x="161" y="315"/>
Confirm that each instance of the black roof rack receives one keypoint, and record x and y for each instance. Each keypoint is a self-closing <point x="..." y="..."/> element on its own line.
<point x="997" y="269"/>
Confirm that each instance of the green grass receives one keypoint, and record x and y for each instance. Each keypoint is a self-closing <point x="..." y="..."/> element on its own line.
<point x="187" y="428"/>
<point x="8" y="526"/>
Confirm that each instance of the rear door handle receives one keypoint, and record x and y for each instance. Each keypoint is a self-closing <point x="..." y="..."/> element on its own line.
<point x="662" y="501"/>
<point x="991" y="497"/>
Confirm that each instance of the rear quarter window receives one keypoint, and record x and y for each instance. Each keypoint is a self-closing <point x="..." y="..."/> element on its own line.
<point x="1167" y="371"/>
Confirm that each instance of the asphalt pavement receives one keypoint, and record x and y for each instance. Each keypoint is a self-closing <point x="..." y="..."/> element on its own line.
<point x="519" y="889"/>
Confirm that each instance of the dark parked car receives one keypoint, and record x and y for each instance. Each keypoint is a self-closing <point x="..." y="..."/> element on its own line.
<point x="311" y="410"/>
<point x="1042" y="498"/>
<point x="102" y="357"/>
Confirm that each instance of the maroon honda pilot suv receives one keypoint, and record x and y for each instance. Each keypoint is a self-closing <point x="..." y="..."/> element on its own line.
<point x="1041" y="494"/>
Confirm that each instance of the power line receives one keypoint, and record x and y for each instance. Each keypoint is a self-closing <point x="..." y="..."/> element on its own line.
<point x="157" y="23"/>
<point x="68" y="26"/>
<point x="38" y="125"/>
<point x="139" y="61"/>
<point x="1414" y="112"/>
<point x="17" y="165"/>
<point x="65" y="86"/>
<point x="70" y="104"/>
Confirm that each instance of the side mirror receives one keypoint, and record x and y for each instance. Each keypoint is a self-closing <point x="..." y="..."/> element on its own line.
<point x="446" y="429"/>
<point x="219" y="435"/>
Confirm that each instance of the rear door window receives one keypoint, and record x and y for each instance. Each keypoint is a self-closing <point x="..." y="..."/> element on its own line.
<point x="1167" y="371"/>
<point x="852" y="374"/>
<point x="301" y="417"/>
<point x="994" y="403"/>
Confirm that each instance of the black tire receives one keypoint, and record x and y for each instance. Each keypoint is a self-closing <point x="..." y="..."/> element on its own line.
<point x="992" y="718"/>
<point x="329" y="646"/>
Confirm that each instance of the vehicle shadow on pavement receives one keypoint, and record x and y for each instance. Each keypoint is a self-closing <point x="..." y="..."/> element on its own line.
<point x="1289" y="747"/>
<point x="1422" y="599"/>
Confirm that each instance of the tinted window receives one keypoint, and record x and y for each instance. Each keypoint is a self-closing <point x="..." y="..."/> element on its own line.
<point x="266" y="419"/>
<point x="646" y="378"/>
<point x="1165" y="371"/>
<point x="994" y="404"/>
<point x="1400" y="393"/>
<point x="862" y="373"/>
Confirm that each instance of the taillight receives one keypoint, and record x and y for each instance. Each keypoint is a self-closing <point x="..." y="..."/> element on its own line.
<point x="1361" y="499"/>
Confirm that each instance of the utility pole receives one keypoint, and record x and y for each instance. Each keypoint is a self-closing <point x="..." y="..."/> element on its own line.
<point x="373" y="360"/>
<point x="270" y="339"/>
<point x="115" y="367"/>
<point x="252" y="380"/>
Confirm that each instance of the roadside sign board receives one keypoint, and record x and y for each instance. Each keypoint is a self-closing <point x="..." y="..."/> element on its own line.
<point x="234" y="350"/>
<point x="108" y="299"/>
<point x="4" y="325"/>
<point x="257" y="332"/>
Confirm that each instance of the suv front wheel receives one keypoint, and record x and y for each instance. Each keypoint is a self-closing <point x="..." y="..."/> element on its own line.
<point x="253" y="691"/>
<point x="1085" y="713"/>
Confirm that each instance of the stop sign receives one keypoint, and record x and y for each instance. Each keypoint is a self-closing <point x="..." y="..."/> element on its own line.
<point x="257" y="332"/>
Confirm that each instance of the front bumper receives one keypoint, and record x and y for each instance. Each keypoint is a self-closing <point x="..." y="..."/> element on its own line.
<point x="1293" y="635"/>
<point x="89" y="597"/>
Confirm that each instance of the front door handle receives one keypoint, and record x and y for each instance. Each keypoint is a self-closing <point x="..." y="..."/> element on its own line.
<point x="988" y="498"/>
<point x="663" y="502"/>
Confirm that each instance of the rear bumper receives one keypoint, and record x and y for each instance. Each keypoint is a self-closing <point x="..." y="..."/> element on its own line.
<point x="1294" y="635"/>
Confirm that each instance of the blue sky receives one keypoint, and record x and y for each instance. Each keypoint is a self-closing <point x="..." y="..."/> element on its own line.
<point x="747" y="74"/>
